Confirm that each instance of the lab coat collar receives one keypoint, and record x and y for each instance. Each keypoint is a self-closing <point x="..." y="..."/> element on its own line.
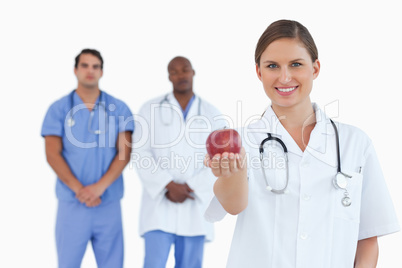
<point x="320" y="143"/>
<point x="171" y="99"/>
<point x="193" y="109"/>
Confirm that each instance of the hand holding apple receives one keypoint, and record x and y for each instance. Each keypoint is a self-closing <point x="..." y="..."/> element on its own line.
<point x="228" y="162"/>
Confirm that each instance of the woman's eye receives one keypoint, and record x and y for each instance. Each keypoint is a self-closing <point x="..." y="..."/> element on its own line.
<point x="272" y="66"/>
<point x="296" y="64"/>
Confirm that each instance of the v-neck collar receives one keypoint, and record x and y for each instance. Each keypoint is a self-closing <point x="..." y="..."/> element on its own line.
<point x="318" y="137"/>
<point x="172" y="100"/>
<point x="78" y="101"/>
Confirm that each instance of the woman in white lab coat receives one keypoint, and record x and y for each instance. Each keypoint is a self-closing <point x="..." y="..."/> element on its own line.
<point x="296" y="213"/>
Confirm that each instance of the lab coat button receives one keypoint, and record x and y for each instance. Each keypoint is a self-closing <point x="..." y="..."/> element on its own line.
<point x="306" y="197"/>
<point x="304" y="236"/>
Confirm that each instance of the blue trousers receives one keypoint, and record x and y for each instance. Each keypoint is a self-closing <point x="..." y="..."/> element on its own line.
<point x="188" y="250"/>
<point x="77" y="224"/>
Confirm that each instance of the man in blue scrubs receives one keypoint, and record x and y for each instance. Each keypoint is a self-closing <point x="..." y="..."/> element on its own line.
<point x="88" y="143"/>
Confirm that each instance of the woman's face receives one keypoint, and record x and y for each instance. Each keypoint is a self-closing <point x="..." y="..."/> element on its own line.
<point x="287" y="72"/>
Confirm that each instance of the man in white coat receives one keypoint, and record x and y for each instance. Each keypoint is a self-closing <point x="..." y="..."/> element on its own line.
<point x="169" y="148"/>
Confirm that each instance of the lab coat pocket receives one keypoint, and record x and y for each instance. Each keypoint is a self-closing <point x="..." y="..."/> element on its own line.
<point x="351" y="195"/>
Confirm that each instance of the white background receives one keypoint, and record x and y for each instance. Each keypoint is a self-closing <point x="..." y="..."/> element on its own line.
<point x="359" y="48"/>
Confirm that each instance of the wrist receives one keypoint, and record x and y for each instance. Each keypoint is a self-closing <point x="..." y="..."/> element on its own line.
<point x="169" y="185"/>
<point x="101" y="186"/>
<point x="76" y="187"/>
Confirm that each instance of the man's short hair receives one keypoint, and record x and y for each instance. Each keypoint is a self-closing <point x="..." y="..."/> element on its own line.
<point x="89" y="51"/>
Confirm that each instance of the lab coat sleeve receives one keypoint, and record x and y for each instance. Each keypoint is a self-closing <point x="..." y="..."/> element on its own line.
<point x="377" y="214"/>
<point x="154" y="179"/>
<point x="215" y="212"/>
<point x="202" y="184"/>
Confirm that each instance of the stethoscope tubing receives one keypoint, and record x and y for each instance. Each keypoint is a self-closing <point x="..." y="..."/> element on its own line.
<point x="101" y="101"/>
<point x="166" y="100"/>
<point x="285" y="150"/>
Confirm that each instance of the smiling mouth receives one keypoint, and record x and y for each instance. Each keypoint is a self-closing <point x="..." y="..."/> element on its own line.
<point x="286" y="89"/>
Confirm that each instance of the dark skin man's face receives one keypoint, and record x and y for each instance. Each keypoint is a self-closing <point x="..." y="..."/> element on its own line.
<point x="181" y="75"/>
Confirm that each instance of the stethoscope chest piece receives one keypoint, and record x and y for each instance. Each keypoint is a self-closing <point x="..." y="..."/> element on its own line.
<point x="341" y="182"/>
<point x="346" y="201"/>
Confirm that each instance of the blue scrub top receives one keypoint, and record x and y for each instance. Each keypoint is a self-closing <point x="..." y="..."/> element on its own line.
<point x="185" y="111"/>
<point x="87" y="153"/>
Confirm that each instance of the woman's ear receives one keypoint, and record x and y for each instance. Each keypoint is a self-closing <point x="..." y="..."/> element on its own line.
<point x="258" y="70"/>
<point x="316" y="68"/>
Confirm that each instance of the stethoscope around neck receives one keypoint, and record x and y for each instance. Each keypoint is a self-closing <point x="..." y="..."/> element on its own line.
<point x="340" y="181"/>
<point x="165" y="100"/>
<point x="101" y="102"/>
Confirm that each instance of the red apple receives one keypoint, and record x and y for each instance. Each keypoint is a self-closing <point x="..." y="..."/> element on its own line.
<point x="223" y="140"/>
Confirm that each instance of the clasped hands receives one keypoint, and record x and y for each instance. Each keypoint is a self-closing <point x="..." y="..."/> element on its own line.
<point x="178" y="192"/>
<point x="90" y="195"/>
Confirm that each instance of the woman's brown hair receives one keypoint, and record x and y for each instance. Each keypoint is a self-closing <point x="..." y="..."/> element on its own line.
<point x="285" y="29"/>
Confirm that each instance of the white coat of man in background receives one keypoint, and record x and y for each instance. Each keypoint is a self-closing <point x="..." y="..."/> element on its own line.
<point x="168" y="153"/>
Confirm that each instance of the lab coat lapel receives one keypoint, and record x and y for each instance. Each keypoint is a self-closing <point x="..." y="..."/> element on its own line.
<point x="170" y="128"/>
<point x="277" y="130"/>
<point x="178" y="122"/>
<point x="193" y="109"/>
<point x="172" y="100"/>
<point x="322" y="144"/>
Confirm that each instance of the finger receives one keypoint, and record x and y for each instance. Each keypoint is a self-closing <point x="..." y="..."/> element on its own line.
<point x="92" y="199"/>
<point x="97" y="202"/>
<point x="207" y="160"/>
<point x="188" y="188"/>
<point x="225" y="166"/>
<point x="81" y="198"/>
<point x="241" y="159"/>
<point x="189" y="195"/>
<point x="215" y="165"/>
<point x="232" y="162"/>
<point x="92" y="204"/>
<point x="89" y="204"/>
<point x="181" y="200"/>
<point x="169" y="197"/>
<point x="82" y="195"/>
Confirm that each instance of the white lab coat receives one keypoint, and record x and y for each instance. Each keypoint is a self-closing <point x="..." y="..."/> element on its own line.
<point x="309" y="227"/>
<point x="168" y="148"/>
